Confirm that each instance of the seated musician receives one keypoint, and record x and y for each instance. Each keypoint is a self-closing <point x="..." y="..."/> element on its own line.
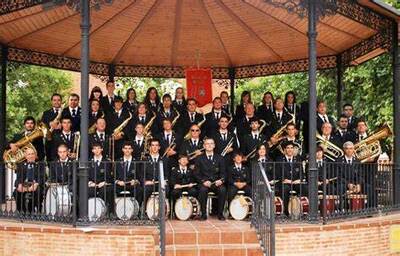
<point x="239" y="177"/>
<point x="61" y="170"/>
<point x="127" y="176"/>
<point x="100" y="136"/>
<point x="225" y="140"/>
<point x="64" y="136"/>
<point x="29" y="184"/>
<point x="183" y="179"/>
<point x="330" y="176"/>
<point x="253" y="140"/>
<point x="210" y="170"/>
<point x="29" y="127"/>
<point x="101" y="177"/>
<point x="192" y="147"/>
<point x="291" y="175"/>
<point x="152" y="170"/>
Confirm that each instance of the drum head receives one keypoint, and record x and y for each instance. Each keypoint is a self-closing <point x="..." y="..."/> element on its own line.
<point x="126" y="208"/>
<point x="183" y="208"/>
<point x="294" y="207"/>
<point x="152" y="208"/>
<point x="51" y="201"/>
<point x="96" y="208"/>
<point x="238" y="209"/>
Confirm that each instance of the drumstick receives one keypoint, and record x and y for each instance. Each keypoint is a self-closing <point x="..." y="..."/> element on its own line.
<point x="188" y="185"/>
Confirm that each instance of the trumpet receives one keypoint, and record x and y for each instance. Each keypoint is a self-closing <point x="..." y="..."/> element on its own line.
<point x="171" y="146"/>
<point x="331" y="151"/>
<point x="195" y="153"/>
<point x="228" y="147"/>
<point x="77" y="142"/>
<point x="188" y="136"/>
<point x="176" y="118"/>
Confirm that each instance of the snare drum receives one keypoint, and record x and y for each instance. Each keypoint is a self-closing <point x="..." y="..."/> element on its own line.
<point x="298" y="206"/>
<point x="58" y="201"/>
<point x="96" y="208"/>
<point x="126" y="208"/>
<point x="241" y="207"/>
<point x="152" y="206"/>
<point x="357" y="202"/>
<point x="187" y="207"/>
<point x="279" y="207"/>
<point x="332" y="203"/>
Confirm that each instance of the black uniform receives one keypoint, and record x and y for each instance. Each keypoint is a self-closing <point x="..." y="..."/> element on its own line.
<point x="61" y="172"/>
<point x="320" y="122"/>
<point x="61" y="138"/>
<point x="188" y="119"/>
<point x="211" y="125"/>
<point x="166" y="140"/>
<point x="106" y="105"/>
<point x="75" y="117"/>
<point x="151" y="172"/>
<point x="182" y="176"/>
<point x="238" y="174"/>
<point x="37" y="143"/>
<point x="190" y="146"/>
<point x="343" y="136"/>
<point x="352" y="125"/>
<point x="180" y="105"/>
<point x="251" y="142"/>
<point x="161" y="115"/>
<point x="221" y="141"/>
<point x="130" y="106"/>
<point x="138" y="147"/>
<point x="48" y="116"/>
<point x="101" y="171"/>
<point x="211" y="170"/>
<point x="243" y="128"/>
<point x="93" y="116"/>
<point x="126" y="172"/>
<point x="144" y="121"/>
<point x="277" y="122"/>
<point x="101" y="138"/>
<point x="113" y="122"/>
<point x="265" y="112"/>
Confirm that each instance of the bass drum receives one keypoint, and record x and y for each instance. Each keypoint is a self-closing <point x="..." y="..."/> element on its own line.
<point x="241" y="207"/>
<point x="126" y="208"/>
<point x="152" y="207"/>
<point x="298" y="206"/>
<point x="58" y="201"/>
<point x="187" y="207"/>
<point x="96" y="208"/>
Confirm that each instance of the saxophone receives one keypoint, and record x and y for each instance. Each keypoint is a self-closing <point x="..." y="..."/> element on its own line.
<point x="176" y="118"/>
<point x="57" y="118"/>
<point x="147" y="136"/>
<point x="92" y="129"/>
<point x="188" y="136"/>
<point x="119" y="130"/>
<point x="146" y="130"/>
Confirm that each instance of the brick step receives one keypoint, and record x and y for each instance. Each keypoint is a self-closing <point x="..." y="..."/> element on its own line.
<point x="214" y="250"/>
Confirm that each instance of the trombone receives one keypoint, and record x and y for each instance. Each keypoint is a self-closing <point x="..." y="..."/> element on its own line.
<point x="228" y="147"/>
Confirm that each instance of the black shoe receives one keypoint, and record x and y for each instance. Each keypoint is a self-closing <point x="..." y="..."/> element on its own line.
<point x="221" y="217"/>
<point x="204" y="217"/>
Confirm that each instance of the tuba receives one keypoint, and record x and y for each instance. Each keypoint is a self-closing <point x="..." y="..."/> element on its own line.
<point x="371" y="147"/>
<point x="12" y="158"/>
<point x="331" y="151"/>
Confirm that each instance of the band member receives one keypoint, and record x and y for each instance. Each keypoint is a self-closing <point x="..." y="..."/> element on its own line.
<point x="65" y="136"/>
<point x="101" y="177"/>
<point x="239" y="177"/>
<point x="348" y="111"/>
<point x="152" y="99"/>
<point x="116" y="121"/>
<point x="166" y="111"/>
<point x="101" y="137"/>
<point x="49" y="116"/>
<point x="192" y="147"/>
<point x="326" y="129"/>
<point x="291" y="135"/>
<point x="107" y="101"/>
<point x="225" y="140"/>
<point x="342" y="133"/>
<point x="361" y="132"/>
<point x="292" y="107"/>
<point x="183" y="179"/>
<point x="138" y="142"/>
<point x="61" y="170"/>
<point x="151" y="173"/>
<point x="253" y="140"/>
<point x="265" y="110"/>
<point x="144" y="116"/>
<point x="73" y="112"/>
<point x="95" y="112"/>
<point x="263" y="159"/>
<point x="245" y="99"/>
<point x="169" y="142"/>
<point x="212" y="118"/>
<point x="291" y="175"/>
<point x="190" y="117"/>
<point x="29" y="184"/>
<point x="211" y="174"/>
<point x="29" y="127"/>
<point x="322" y="116"/>
<point x="330" y="176"/>
<point x="280" y="117"/>
<point x="243" y="124"/>
<point x="179" y="102"/>
<point x="96" y="93"/>
<point x="225" y="102"/>
<point x="127" y="176"/>
<point x="131" y="102"/>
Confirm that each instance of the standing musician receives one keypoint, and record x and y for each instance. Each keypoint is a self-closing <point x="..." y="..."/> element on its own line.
<point x="291" y="135"/>
<point x="291" y="175"/>
<point x="49" y="116"/>
<point x="225" y="102"/>
<point x="192" y="147"/>
<point x="100" y="136"/>
<point x="212" y="118"/>
<point x="151" y="173"/>
<point x="239" y="177"/>
<point x="263" y="158"/>
<point x="225" y="140"/>
<point x="96" y="93"/>
<point x="101" y="177"/>
<point x="138" y="141"/>
<point x="29" y="127"/>
<point x="61" y="170"/>
<point x="280" y="117"/>
<point x="292" y="107"/>
<point x="253" y="140"/>
<point x="322" y="116"/>
<point x="243" y="124"/>
<point x="144" y="116"/>
<point x="190" y="117"/>
<point x="166" y="111"/>
<point x="265" y="110"/>
<point x="169" y="142"/>
<point x="326" y="129"/>
<point x="245" y="98"/>
<point x="342" y="133"/>
<point x="29" y="184"/>
<point x="179" y="102"/>
<point x="95" y="112"/>
<point x="131" y="102"/>
<point x="73" y="111"/>
<point x="211" y="175"/>
<point x="152" y="99"/>
<point x="361" y="131"/>
<point x="107" y="101"/>
<point x="127" y="176"/>
<point x="64" y="136"/>
<point x="183" y="179"/>
<point x="348" y="111"/>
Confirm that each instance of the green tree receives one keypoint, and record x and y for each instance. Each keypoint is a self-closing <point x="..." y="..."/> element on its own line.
<point x="29" y="89"/>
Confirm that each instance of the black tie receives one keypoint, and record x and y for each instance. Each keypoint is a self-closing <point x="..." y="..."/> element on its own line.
<point x="56" y="112"/>
<point x="167" y="138"/>
<point x="210" y="157"/>
<point x="217" y="115"/>
<point x="138" y="142"/>
<point x="30" y="166"/>
<point x="192" y="117"/>
<point x="255" y="136"/>
<point x="279" y="117"/>
<point x="324" y="118"/>
<point x="67" y="136"/>
<point x="101" y="137"/>
<point x="154" y="160"/>
<point x="223" y="137"/>
<point x="73" y="113"/>
<point x="142" y="119"/>
<point x="195" y="143"/>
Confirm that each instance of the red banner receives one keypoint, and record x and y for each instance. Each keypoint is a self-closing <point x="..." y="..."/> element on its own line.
<point x="198" y="84"/>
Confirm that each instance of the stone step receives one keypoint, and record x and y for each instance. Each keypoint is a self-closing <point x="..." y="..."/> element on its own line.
<point x="214" y="250"/>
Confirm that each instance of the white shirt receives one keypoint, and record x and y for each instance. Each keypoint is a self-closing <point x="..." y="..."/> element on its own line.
<point x="71" y="109"/>
<point x="348" y="159"/>
<point x="238" y="166"/>
<point x="97" y="159"/>
<point x="155" y="157"/>
<point x="253" y="134"/>
<point x="324" y="116"/>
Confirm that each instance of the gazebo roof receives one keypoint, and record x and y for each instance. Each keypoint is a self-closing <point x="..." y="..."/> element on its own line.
<point x="159" y="38"/>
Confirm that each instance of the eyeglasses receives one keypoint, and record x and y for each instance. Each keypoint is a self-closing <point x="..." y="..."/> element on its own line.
<point x="197" y="130"/>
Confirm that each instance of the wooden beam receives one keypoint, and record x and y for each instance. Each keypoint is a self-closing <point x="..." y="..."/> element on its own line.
<point x="177" y="32"/>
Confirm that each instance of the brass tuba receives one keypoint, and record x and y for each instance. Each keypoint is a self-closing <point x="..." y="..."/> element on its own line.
<point x="13" y="158"/>
<point x="371" y="147"/>
<point x="331" y="151"/>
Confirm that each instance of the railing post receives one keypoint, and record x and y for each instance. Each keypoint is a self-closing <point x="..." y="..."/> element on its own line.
<point x="396" y="113"/>
<point x="3" y="124"/>
<point x="161" y="189"/>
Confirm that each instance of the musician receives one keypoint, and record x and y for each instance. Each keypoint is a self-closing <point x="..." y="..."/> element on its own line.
<point x="190" y="117"/>
<point x="239" y="177"/>
<point x="245" y="99"/>
<point x="253" y="140"/>
<point x="291" y="175"/>
<point x="49" y="116"/>
<point x="192" y="147"/>
<point x="61" y="170"/>
<point x="107" y="101"/>
<point x="127" y="176"/>
<point x="291" y="135"/>
<point x="166" y="111"/>
<point x="225" y="102"/>
<point x="131" y="102"/>
<point x="29" y="127"/>
<point x="330" y="172"/>
<point x="292" y="107"/>
<point x="96" y="93"/>
<point x="212" y="118"/>
<point x="152" y="99"/>
<point x="144" y="116"/>
<point x="73" y="112"/>
<point x="361" y="131"/>
<point x="29" y="184"/>
<point x="183" y="179"/>
<point x="243" y="124"/>
<point x="115" y="120"/>
<point x="167" y="138"/>
<point x="326" y="129"/>
<point x="101" y="177"/>
<point x="348" y="111"/>
<point x="151" y="173"/>
<point x="265" y="110"/>
<point x="211" y="175"/>
<point x="263" y="158"/>
<point x="225" y="138"/>
<point x="342" y="133"/>
<point x="179" y="102"/>
<point x="64" y="136"/>
<point x="138" y="141"/>
<point x="280" y="117"/>
<point x="100" y="136"/>
<point x="322" y="116"/>
<point x="95" y="112"/>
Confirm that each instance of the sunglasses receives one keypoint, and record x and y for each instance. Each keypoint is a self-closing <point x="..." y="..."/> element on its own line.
<point x="195" y="130"/>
